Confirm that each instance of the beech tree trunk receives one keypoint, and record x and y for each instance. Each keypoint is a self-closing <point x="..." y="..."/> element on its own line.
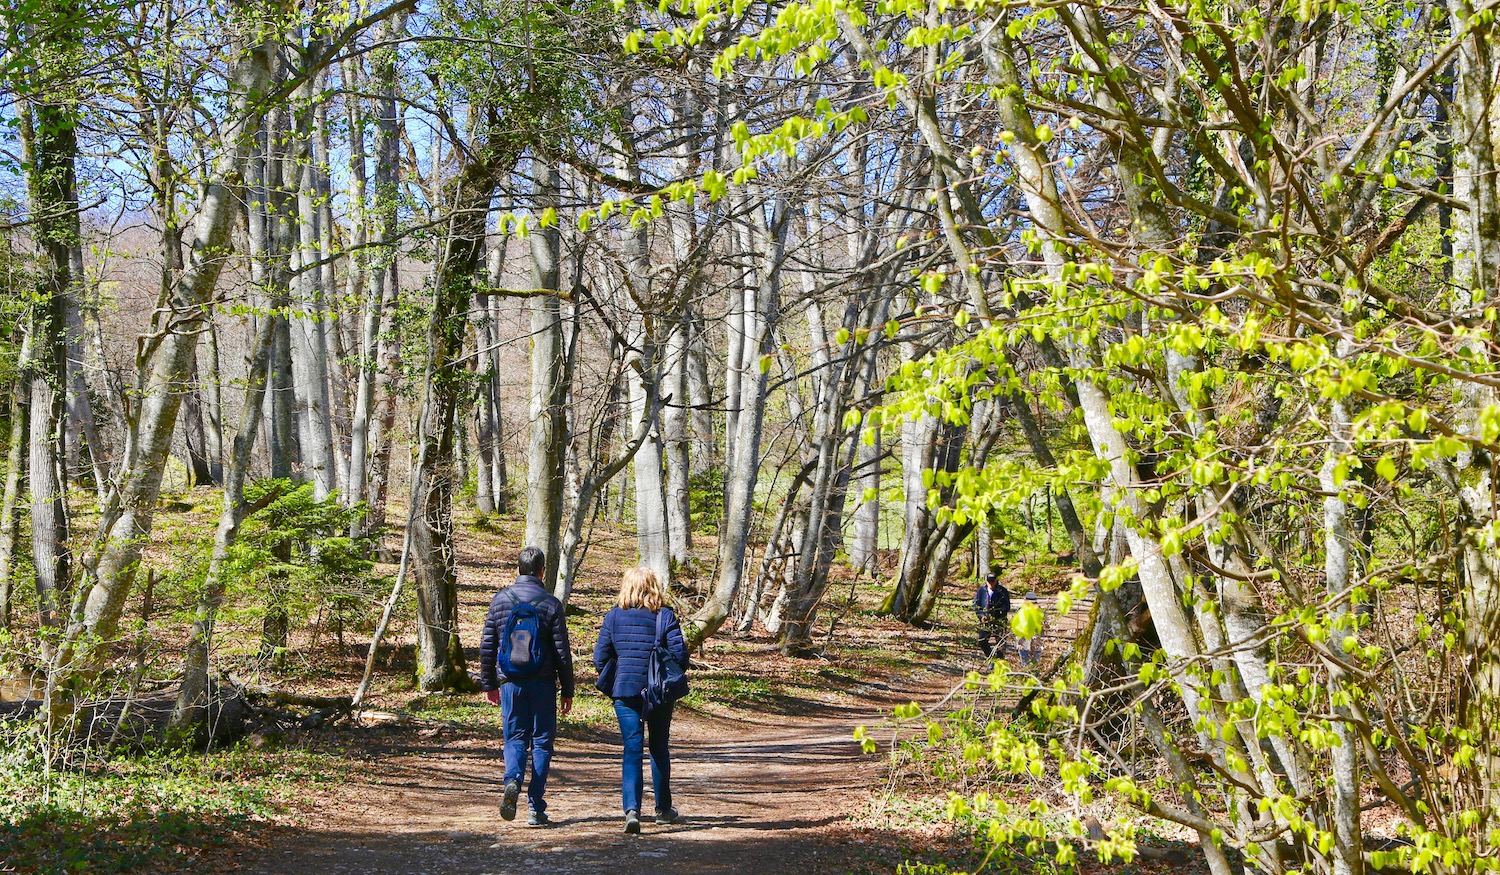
<point x="52" y="189"/>
<point x="547" y="445"/>
<point x="761" y="308"/>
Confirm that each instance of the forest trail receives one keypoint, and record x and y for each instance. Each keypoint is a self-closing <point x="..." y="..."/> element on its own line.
<point x="773" y="794"/>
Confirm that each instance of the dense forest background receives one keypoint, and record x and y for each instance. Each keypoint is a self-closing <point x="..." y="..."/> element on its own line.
<point x="788" y="295"/>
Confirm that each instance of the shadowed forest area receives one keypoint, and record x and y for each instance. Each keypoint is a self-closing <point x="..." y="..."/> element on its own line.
<point x="1177" y="315"/>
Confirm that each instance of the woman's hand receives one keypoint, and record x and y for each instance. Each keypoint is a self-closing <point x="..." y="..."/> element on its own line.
<point x="493" y="696"/>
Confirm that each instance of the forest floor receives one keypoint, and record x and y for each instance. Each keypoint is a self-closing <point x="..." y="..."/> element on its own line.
<point x="784" y="790"/>
<point x="766" y="770"/>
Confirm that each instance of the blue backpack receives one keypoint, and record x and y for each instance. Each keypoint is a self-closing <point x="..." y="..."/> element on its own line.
<point x="521" y="654"/>
<point x="666" y="681"/>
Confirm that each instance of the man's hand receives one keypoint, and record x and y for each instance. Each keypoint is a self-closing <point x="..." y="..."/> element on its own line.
<point x="493" y="696"/>
<point x="565" y="706"/>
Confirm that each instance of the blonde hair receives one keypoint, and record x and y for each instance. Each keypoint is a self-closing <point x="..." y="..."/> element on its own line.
<point x="640" y="588"/>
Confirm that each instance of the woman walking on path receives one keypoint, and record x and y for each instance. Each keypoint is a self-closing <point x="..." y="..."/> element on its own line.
<point x="639" y="622"/>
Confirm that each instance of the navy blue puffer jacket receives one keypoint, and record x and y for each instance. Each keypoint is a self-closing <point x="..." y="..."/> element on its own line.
<point x="558" y="662"/>
<point x="624" y="649"/>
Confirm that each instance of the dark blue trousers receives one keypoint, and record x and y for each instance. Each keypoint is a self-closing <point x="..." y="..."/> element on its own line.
<point x="530" y="710"/>
<point x="635" y="725"/>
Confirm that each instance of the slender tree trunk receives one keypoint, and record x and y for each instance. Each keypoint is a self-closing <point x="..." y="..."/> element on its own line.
<point x="193" y="697"/>
<point x="651" y="526"/>
<point x="309" y="341"/>
<point x="484" y="481"/>
<point x="52" y="188"/>
<point x="371" y="424"/>
<point x="82" y="421"/>
<point x="864" y="550"/>
<point x="195" y="433"/>
<point x="15" y="465"/>
<point x="674" y="430"/>
<point x="704" y="453"/>
<point x="917" y="446"/>
<point x="760" y="312"/>
<point x="215" y="412"/>
<point x="499" y="475"/>
<point x="546" y="449"/>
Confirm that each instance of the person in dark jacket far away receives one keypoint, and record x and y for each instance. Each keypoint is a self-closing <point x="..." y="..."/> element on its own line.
<point x="524" y="657"/>
<point x="622" y="655"/>
<point x="992" y="608"/>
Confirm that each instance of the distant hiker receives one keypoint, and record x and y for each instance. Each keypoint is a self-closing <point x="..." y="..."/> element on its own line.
<point x="642" y="661"/>
<point x="1030" y="649"/>
<point x="992" y="609"/>
<point x="524" y="655"/>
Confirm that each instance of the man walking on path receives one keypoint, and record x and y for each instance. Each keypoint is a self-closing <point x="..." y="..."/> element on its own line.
<point x="524" y="656"/>
<point x="992" y="608"/>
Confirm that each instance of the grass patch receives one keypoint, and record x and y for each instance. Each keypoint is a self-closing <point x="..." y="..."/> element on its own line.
<point x="145" y="814"/>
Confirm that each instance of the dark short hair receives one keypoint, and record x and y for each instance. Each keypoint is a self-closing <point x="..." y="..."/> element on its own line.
<point x="533" y="561"/>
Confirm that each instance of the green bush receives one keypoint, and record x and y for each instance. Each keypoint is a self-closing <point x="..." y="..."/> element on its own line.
<point x="706" y="500"/>
<point x="298" y="551"/>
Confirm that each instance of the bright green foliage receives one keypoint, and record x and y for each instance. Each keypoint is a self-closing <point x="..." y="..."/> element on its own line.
<point x="1227" y="294"/>
<point x="299" y="551"/>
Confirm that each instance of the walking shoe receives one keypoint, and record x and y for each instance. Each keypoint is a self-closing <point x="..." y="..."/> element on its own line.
<point x="539" y="818"/>
<point x="508" y="801"/>
<point x="632" y="823"/>
<point x="670" y="816"/>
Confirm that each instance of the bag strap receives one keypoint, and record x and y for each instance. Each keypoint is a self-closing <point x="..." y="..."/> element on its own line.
<point x="661" y="625"/>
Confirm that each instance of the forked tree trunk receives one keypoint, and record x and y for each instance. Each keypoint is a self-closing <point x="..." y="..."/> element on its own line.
<point x="126" y="519"/>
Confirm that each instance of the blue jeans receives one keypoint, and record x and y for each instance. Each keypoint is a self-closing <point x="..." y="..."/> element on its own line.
<point x="530" y="711"/>
<point x="634" y="725"/>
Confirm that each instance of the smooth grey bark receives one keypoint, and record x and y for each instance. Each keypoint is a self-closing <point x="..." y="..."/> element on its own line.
<point x="760" y="312"/>
<point x="864" y="546"/>
<point x="356" y="321"/>
<point x="645" y="374"/>
<point x="309" y="340"/>
<point x="195" y="433"/>
<point x="674" y="430"/>
<point x="83" y="422"/>
<point x="686" y="122"/>
<point x="918" y="437"/>
<point x="703" y="455"/>
<point x="547" y="438"/>
<point x="371" y="423"/>
<point x="590" y="486"/>
<point x="214" y="415"/>
<point x="494" y="395"/>
<point x="651" y="527"/>
<point x="485" y="420"/>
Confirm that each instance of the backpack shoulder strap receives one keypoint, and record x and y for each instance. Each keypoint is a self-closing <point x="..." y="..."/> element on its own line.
<point x="661" y="625"/>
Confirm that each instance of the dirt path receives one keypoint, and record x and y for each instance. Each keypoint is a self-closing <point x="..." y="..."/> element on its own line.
<point x="772" y="795"/>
